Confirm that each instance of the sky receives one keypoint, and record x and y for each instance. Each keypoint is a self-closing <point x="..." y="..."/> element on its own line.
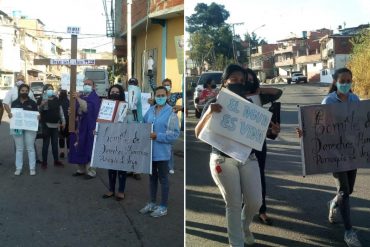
<point x="286" y="18"/>
<point x="58" y="15"/>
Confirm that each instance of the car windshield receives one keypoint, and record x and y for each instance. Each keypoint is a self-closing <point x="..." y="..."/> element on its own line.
<point x="95" y="75"/>
<point x="37" y="85"/>
<point x="297" y="74"/>
<point x="216" y="77"/>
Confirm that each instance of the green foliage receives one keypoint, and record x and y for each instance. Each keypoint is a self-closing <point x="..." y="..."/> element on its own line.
<point x="359" y="64"/>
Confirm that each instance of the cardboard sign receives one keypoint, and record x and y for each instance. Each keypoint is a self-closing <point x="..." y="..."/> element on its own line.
<point x="336" y="137"/>
<point x="122" y="146"/>
<point x="121" y="112"/>
<point x="240" y="120"/>
<point x="24" y="120"/>
<point x="107" y="111"/>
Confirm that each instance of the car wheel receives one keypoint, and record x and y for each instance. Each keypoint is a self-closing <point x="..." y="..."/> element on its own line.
<point x="197" y="113"/>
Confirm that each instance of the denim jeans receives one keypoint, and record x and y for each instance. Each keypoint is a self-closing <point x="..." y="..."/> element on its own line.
<point x="345" y="182"/>
<point x="171" y="162"/>
<point x="237" y="182"/>
<point x="112" y="175"/>
<point x="50" y="134"/>
<point x="159" y="172"/>
<point x="26" y="139"/>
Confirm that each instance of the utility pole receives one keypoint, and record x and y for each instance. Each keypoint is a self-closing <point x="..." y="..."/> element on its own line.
<point x="234" y="48"/>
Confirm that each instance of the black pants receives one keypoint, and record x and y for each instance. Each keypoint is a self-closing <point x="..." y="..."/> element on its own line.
<point x="64" y="136"/>
<point x="50" y="134"/>
<point x="112" y="175"/>
<point x="261" y="158"/>
<point x="345" y="182"/>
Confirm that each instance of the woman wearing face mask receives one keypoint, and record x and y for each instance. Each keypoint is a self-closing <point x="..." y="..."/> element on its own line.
<point x="24" y="137"/>
<point x="52" y="117"/>
<point x="116" y="92"/>
<point x="238" y="182"/>
<point x="165" y="132"/>
<point x="340" y="92"/>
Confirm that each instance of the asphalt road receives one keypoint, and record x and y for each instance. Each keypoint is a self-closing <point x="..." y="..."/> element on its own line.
<point x="55" y="209"/>
<point x="296" y="204"/>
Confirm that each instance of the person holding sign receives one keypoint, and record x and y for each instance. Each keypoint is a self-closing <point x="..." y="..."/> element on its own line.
<point x="238" y="181"/>
<point x="52" y="117"/>
<point x="261" y="96"/>
<point x="81" y="142"/>
<point x="340" y="92"/>
<point x="165" y="132"/>
<point x="24" y="137"/>
<point x="116" y="92"/>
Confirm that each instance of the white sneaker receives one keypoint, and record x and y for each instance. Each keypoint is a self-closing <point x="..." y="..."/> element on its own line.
<point x="17" y="172"/>
<point x="33" y="172"/>
<point x="351" y="239"/>
<point x="333" y="212"/>
<point x="160" y="211"/>
<point x="149" y="207"/>
<point x="171" y="171"/>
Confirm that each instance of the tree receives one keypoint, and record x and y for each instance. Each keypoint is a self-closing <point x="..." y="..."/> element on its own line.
<point x="359" y="64"/>
<point x="254" y="40"/>
<point x="207" y="17"/>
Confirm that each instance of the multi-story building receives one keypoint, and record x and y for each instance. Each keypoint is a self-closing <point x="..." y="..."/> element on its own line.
<point x="262" y="61"/>
<point x="157" y="32"/>
<point x="9" y="53"/>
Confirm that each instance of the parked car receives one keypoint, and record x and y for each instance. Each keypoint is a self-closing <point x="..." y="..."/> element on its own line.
<point x="36" y="87"/>
<point x="298" y="77"/>
<point x="216" y="77"/>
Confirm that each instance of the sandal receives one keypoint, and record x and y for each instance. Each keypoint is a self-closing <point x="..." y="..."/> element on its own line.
<point x="266" y="221"/>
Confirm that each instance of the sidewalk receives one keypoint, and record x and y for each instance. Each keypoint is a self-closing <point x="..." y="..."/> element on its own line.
<point x="55" y="209"/>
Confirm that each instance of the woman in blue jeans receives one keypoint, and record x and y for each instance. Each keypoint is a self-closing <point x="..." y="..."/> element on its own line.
<point x="165" y="132"/>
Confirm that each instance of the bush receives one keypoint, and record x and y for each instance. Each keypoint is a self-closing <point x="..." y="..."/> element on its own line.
<point x="359" y="64"/>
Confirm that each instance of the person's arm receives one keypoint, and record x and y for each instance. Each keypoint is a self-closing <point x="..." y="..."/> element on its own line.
<point x="81" y="102"/>
<point x="152" y="84"/>
<point x="170" y="136"/>
<point x="269" y="94"/>
<point x="7" y="102"/>
<point x="213" y="107"/>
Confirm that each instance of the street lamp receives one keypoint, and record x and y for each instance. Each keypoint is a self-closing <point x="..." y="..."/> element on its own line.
<point x="249" y="45"/>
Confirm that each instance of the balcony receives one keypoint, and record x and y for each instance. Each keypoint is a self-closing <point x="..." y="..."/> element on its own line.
<point x="288" y="62"/>
<point x="308" y="59"/>
<point x="288" y="49"/>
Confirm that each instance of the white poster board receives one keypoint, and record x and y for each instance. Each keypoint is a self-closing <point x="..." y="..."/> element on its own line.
<point x="240" y="120"/>
<point x="122" y="146"/>
<point x="121" y="112"/>
<point x="232" y="148"/>
<point x="24" y="120"/>
<point x="144" y="101"/>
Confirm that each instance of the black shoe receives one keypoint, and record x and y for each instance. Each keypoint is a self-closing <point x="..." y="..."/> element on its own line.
<point x="61" y="155"/>
<point x="105" y="196"/>
<point x="77" y="174"/>
<point x="38" y="161"/>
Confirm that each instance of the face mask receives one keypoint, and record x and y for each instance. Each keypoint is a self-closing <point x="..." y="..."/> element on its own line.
<point x="115" y="96"/>
<point x="344" y="88"/>
<point x="87" y="89"/>
<point x="237" y="88"/>
<point x="168" y="88"/>
<point x="250" y="87"/>
<point x="24" y="95"/>
<point x="18" y="83"/>
<point x="160" y="100"/>
<point x="49" y="92"/>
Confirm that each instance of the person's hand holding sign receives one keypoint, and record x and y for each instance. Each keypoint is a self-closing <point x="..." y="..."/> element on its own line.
<point x="153" y="136"/>
<point x="275" y="128"/>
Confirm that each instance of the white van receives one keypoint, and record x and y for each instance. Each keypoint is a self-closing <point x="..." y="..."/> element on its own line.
<point x="100" y="77"/>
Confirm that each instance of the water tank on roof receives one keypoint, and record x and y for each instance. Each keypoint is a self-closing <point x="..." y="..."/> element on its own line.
<point x="304" y="34"/>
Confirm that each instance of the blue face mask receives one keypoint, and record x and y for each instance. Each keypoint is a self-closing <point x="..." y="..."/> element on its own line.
<point x="49" y="92"/>
<point x="160" y="100"/>
<point x="87" y="89"/>
<point x="344" y="88"/>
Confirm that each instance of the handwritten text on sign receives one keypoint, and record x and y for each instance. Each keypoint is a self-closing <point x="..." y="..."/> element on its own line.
<point x="122" y="146"/>
<point x="24" y="120"/>
<point x="240" y="120"/>
<point x="336" y="137"/>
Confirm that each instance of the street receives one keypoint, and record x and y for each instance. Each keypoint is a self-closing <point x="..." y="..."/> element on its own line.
<point x="297" y="205"/>
<point x="56" y="209"/>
